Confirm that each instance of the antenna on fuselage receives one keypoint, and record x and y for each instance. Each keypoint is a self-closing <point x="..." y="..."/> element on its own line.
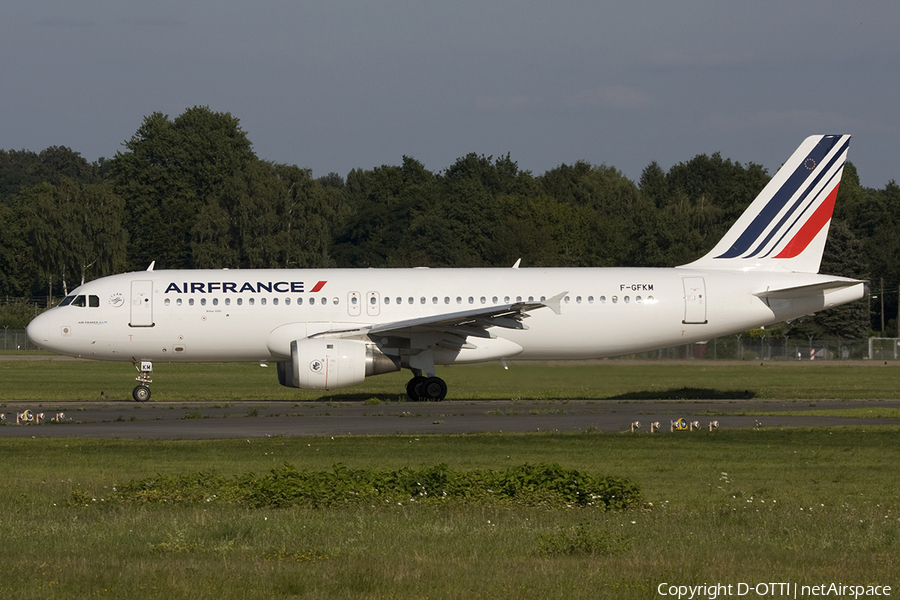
<point x="150" y="268"/>
<point x="518" y="262"/>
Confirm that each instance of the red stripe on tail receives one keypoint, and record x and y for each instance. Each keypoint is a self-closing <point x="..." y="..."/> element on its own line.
<point x="811" y="228"/>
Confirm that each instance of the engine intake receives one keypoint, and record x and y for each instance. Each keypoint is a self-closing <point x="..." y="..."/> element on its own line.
<point x="322" y="363"/>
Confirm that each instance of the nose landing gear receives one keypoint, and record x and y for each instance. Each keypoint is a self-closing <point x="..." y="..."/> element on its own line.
<point x="141" y="392"/>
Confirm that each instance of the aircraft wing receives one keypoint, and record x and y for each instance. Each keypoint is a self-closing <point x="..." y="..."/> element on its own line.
<point x="460" y="325"/>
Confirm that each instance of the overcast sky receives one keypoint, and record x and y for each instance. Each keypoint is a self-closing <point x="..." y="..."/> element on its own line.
<point x="336" y="85"/>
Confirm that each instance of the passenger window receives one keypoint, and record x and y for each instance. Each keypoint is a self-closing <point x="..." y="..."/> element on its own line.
<point x="422" y="300"/>
<point x="227" y="301"/>
<point x="506" y="300"/>
<point x="590" y="299"/>
<point x="202" y="301"/>
<point x="637" y="299"/>
<point x="240" y="301"/>
<point x="166" y="302"/>
<point x="323" y="300"/>
<point x="287" y="301"/>
<point x="483" y="300"/>
<point x="615" y="299"/>
<point x="335" y="301"/>
<point x="178" y="302"/>
<point x="411" y="300"/>
<point x="627" y="299"/>
<point x="518" y="298"/>
<point x="602" y="299"/>
<point x="459" y="299"/>
<point x="531" y="298"/>
<point x="275" y="301"/>
<point x="191" y="302"/>
<point x="312" y="301"/>
<point x="215" y="301"/>
<point x="251" y="301"/>
<point x="387" y="299"/>
<point x="577" y="299"/>
<point x="494" y="300"/>
<point x="471" y="300"/>
<point x="299" y="301"/>
<point x="434" y="300"/>
<point x="446" y="299"/>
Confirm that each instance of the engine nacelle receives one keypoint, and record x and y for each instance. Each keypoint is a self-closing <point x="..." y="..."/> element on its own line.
<point x="322" y="363"/>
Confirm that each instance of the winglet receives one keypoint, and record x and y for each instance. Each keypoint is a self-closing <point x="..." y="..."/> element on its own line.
<point x="554" y="302"/>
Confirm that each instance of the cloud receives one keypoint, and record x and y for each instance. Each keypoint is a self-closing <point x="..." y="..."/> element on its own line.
<point x="801" y="119"/>
<point x="611" y="96"/>
<point x="514" y="102"/>
<point x="677" y="60"/>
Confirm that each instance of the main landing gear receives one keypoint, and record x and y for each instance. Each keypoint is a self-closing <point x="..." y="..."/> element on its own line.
<point x="426" y="388"/>
<point x="141" y="392"/>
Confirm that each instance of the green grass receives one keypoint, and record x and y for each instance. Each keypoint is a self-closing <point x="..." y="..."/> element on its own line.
<point x="83" y="380"/>
<point x="750" y="505"/>
<point x="807" y="505"/>
<point x="876" y="412"/>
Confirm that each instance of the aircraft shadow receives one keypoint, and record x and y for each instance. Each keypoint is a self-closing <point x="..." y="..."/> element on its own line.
<point x="686" y="393"/>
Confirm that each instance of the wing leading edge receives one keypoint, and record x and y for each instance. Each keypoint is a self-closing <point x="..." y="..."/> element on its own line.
<point x="417" y="341"/>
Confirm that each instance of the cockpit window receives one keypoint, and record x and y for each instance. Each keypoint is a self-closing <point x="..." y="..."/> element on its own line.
<point x="78" y="301"/>
<point x="93" y="301"/>
<point x="67" y="301"/>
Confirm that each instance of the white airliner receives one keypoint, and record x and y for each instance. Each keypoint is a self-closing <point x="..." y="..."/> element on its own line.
<point x="327" y="328"/>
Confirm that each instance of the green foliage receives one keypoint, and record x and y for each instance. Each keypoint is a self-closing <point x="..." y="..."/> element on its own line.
<point x="17" y="315"/>
<point x="189" y="192"/>
<point x="74" y="231"/>
<point x="582" y="540"/>
<point x="284" y="487"/>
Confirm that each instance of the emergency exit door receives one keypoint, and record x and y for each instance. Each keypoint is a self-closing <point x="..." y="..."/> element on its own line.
<point x="141" y="304"/>
<point x="694" y="300"/>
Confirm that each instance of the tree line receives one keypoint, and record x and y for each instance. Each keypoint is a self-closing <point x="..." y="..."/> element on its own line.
<point x="190" y="192"/>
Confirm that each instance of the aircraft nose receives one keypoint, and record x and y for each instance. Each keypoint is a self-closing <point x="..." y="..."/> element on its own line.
<point x="38" y="331"/>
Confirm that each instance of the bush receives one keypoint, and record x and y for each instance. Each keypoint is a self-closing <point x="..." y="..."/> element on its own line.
<point x="287" y="487"/>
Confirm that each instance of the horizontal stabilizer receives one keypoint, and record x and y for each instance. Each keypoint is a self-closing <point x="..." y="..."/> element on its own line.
<point x="802" y="291"/>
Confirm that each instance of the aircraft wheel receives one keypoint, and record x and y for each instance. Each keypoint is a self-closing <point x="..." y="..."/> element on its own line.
<point x="141" y="393"/>
<point x="435" y="389"/>
<point x="414" y="388"/>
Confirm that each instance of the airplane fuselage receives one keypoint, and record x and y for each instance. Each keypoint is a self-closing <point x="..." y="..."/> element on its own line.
<point x="254" y="315"/>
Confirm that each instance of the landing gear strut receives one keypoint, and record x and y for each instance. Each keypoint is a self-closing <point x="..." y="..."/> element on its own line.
<point x="141" y="392"/>
<point x="426" y="388"/>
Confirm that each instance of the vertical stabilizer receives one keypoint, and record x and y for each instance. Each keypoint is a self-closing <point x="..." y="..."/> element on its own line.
<point x="785" y="227"/>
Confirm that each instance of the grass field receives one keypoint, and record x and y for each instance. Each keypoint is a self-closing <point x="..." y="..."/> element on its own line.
<point x="85" y="380"/>
<point x="808" y="506"/>
<point x="805" y="506"/>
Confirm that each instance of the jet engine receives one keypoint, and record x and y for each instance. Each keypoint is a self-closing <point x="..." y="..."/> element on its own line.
<point x="322" y="363"/>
